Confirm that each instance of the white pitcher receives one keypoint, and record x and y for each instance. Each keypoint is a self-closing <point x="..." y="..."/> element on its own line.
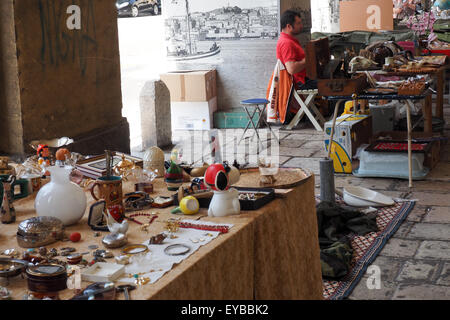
<point x="224" y="203"/>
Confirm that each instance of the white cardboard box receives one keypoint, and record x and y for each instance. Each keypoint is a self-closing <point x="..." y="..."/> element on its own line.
<point x="193" y="115"/>
<point x="103" y="272"/>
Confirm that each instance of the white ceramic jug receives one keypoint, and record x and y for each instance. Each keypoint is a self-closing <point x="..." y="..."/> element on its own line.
<point x="224" y="203"/>
<point x="61" y="198"/>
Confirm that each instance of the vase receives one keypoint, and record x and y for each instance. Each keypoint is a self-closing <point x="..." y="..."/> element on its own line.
<point x="61" y="198"/>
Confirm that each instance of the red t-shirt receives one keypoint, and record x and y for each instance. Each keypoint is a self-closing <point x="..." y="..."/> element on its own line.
<point x="289" y="49"/>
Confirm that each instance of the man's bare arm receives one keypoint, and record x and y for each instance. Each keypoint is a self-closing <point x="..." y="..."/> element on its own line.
<point x="295" y="66"/>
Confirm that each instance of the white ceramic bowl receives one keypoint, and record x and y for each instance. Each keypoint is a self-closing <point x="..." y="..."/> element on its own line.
<point x="362" y="197"/>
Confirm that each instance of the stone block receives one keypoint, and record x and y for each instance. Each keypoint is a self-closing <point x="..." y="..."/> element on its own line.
<point x="320" y="154"/>
<point x="430" y="231"/>
<point x="304" y="163"/>
<point x="438" y="215"/>
<point x="296" y="152"/>
<point x="444" y="278"/>
<point x="306" y="137"/>
<point x="416" y="270"/>
<point x="400" y="248"/>
<point x="403" y="230"/>
<point x="389" y="267"/>
<point x="155" y="115"/>
<point x="316" y="145"/>
<point x="421" y="292"/>
<point x="362" y="291"/>
<point x="417" y="214"/>
<point x="439" y="250"/>
<point x="440" y="172"/>
<point x="291" y="143"/>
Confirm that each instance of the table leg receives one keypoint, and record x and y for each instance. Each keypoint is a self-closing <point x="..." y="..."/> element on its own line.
<point x="248" y="123"/>
<point x="330" y="143"/>
<point x="427" y="110"/>
<point x="253" y="125"/>
<point x="261" y="117"/>
<point x="408" y="118"/>
<point x="440" y="94"/>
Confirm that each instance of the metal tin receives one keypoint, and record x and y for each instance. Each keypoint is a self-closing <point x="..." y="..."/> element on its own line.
<point x="114" y="240"/>
<point x="39" y="231"/>
<point x="46" y="278"/>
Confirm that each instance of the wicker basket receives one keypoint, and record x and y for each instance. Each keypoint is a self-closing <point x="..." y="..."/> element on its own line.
<point x="154" y="160"/>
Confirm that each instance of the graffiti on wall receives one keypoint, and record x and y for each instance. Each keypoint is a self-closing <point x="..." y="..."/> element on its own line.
<point x="62" y="45"/>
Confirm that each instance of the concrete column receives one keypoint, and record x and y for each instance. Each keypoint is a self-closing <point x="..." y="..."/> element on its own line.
<point x="325" y="16"/>
<point x="156" y="125"/>
<point x="58" y="79"/>
<point x="11" y="130"/>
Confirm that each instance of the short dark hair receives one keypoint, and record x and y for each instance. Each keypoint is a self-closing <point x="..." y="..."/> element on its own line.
<point x="288" y="17"/>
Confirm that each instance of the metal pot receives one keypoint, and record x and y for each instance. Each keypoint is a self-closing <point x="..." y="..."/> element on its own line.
<point x="39" y="231"/>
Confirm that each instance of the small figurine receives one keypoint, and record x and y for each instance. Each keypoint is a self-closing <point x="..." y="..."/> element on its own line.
<point x="61" y="156"/>
<point x="124" y="167"/>
<point x="116" y="227"/>
<point x="44" y="155"/>
<point x="225" y="200"/>
<point x="173" y="176"/>
<point x="7" y="211"/>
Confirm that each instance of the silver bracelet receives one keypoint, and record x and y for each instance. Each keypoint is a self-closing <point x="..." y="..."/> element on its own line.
<point x="177" y="245"/>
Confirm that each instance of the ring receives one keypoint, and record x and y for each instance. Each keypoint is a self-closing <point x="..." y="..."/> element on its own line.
<point x="178" y="245"/>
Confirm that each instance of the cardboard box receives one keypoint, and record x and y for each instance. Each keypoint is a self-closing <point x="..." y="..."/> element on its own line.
<point x="366" y="15"/>
<point x="193" y="115"/>
<point x="350" y="133"/>
<point x="191" y="86"/>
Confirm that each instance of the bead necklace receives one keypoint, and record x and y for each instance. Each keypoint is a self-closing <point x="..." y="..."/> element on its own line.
<point x="219" y="228"/>
<point x="131" y="217"/>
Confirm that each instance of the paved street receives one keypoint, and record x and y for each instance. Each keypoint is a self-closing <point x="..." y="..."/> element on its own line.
<point x="415" y="262"/>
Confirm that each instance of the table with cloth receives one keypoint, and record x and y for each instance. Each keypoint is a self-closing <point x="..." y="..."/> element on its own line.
<point x="269" y="253"/>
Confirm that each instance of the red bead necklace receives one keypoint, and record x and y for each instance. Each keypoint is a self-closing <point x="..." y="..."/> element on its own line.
<point x="131" y="217"/>
<point x="219" y="228"/>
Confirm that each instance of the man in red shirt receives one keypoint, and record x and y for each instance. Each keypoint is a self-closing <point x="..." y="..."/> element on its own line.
<point x="292" y="55"/>
<point x="290" y="52"/>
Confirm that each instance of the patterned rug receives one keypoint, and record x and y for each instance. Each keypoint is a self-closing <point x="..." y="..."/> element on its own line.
<point x="366" y="248"/>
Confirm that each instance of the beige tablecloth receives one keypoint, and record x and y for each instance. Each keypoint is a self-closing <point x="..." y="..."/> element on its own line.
<point x="270" y="253"/>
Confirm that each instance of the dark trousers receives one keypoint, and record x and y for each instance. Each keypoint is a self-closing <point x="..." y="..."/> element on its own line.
<point x="308" y="85"/>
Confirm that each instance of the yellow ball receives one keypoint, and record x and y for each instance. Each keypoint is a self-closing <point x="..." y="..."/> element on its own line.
<point x="189" y="205"/>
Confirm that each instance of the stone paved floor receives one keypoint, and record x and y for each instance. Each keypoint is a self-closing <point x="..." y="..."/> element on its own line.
<point x="415" y="262"/>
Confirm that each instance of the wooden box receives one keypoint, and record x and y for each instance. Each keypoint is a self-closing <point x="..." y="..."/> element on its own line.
<point x="317" y="58"/>
<point x="342" y="87"/>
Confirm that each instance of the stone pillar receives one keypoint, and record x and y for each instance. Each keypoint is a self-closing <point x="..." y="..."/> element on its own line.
<point x="325" y="16"/>
<point x="59" y="80"/>
<point x="11" y="130"/>
<point x="156" y="124"/>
